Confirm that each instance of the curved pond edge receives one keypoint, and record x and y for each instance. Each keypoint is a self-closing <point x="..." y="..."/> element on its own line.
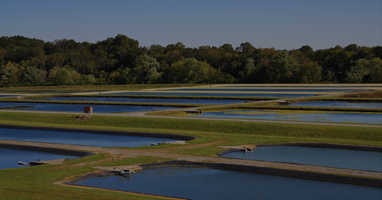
<point x="47" y="150"/>
<point x="252" y="169"/>
<point x="142" y="134"/>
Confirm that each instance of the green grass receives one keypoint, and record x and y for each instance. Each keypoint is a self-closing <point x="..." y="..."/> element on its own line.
<point x="37" y="183"/>
<point x="159" y="124"/>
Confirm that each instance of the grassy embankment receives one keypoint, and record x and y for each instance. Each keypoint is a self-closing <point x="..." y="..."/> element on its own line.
<point x="37" y="182"/>
<point x="77" y="88"/>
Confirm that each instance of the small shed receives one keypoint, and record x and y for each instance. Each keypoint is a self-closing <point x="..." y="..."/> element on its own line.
<point x="88" y="109"/>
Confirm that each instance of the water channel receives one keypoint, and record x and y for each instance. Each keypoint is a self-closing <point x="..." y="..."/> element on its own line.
<point x="342" y="104"/>
<point x="327" y="157"/>
<point x="146" y="100"/>
<point x="314" y="116"/>
<point x="205" y="94"/>
<point x="10" y="157"/>
<point x="266" y="90"/>
<point x="78" y="107"/>
<point x="78" y="138"/>
<point x="205" y="183"/>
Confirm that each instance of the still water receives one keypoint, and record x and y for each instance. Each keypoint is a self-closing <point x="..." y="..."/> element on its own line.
<point x="210" y="94"/>
<point x="8" y="96"/>
<point x="307" y="86"/>
<point x="146" y="100"/>
<point x="315" y="116"/>
<point x="342" y="104"/>
<point x="267" y="90"/>
<point x="10" y="157"/>
<point x="78" y="138"/>
<point x="78" y="107"/>
<point x="328" y="157"/>
<point x="204" y="183"/>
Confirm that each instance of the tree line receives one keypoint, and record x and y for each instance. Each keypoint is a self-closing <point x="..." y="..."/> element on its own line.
<point x="120" y="60"/>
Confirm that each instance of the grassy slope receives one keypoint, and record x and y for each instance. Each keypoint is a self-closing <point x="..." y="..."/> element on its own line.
<point x="37" y="182"/>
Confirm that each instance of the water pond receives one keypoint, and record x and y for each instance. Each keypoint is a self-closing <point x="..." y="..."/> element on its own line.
<point x="78" y="138"/>
<point x="8" y="95"/>
<point x="201" y="94"/>
<point x="267" y="90"/>
<point x="315" y="116"/>
<point x="342" y="104"/>
<point x="10" y="157"/>
<point x="77" y="107"/>
<point x="327" y="157"/>
<point x="146" y="100"/>
<point x="205" y="183"/>
<point x="308" y="86"/>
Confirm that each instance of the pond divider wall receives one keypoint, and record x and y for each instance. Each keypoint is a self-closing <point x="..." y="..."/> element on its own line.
<point x="46" y="149"/>
<point x="159" y="135"/>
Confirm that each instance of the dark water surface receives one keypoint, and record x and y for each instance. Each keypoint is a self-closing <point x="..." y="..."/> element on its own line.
<point x="267" y="90"/>
<point x="342" y="104"/>
<point x="146" y="100"/>
<point x="328" y="157"/>
<point x="78" y="107"/>
<point x="210" y="94"/>
<point x="10" y="157"/>
<point x="308" y="86"/>
<point x="313" y="116"/>
<point x="78" y="138"/>
<point x="8" y="95"/>
<point x="204" y="183"/>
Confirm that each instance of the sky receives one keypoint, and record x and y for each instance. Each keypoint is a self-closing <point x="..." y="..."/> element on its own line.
<point x="282" y="24"/>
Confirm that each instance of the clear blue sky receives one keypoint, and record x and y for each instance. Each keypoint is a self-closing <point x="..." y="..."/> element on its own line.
<point x="282" y="24"/>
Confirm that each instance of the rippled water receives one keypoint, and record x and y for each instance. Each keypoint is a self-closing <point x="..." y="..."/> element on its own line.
<point x="314" y="116"/>
<point x="78" y="138"/>
<point x="338" y="158"/>
<point x="10" y="157"/>
<point x="339" y="104"/>
<point x="146" y="100"/>
<point x="210" y="94"/>
<point x="79" y="107"/>
<point x="204" y="183"/>
<point x="7" y="96"/>
<point x="267" y="90"/>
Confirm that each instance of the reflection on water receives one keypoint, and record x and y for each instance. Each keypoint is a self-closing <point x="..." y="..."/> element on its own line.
<point x="10" y="157"/>
<point x="267" y="90"/>
<point x="315" y="116"/>
<point x="339" y="104"/>
<point x="78" y="138"/>
<point x="338" y="158"/>
<point x="7" y="96"/>
<point x="146" y="100"/>
<point x="79" y="107"/>
<point x="210" y="94"/>
<point x="204" y="183"/>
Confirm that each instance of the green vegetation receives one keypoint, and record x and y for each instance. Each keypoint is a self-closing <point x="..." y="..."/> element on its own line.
<point x="231" y="127"/>
<point x="120" y="60"/>
<point x="37" y="182"/>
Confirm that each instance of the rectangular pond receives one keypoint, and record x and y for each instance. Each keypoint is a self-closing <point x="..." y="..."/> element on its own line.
<point x="312" y="116"/>
<point x="204" y="94"/>
<point x="78" y="107"/>
<point x="205" y="183"/>
<point x="327" y="157"/>
<point x="10" y="157"/>
<point x="145" y="100"/>
<point x="78" y="138"/>
<point x="342" y="104"/>
<point x="268" y="90"/>
<point x="308" y="86"/>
